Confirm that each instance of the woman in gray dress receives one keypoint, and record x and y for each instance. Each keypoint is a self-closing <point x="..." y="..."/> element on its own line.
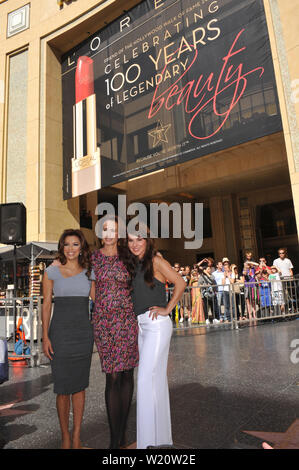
<point x="68" y="342"/>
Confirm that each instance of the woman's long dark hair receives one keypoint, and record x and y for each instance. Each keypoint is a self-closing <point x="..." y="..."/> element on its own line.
<point x="130" y="261"/>
<point x="84" y="259"/>
<point x="147" y="261"/>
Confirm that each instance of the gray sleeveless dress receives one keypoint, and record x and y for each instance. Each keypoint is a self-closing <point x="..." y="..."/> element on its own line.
<point x="70" y="331"/>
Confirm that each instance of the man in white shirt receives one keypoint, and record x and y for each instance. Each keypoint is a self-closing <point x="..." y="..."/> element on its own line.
<point x="284" y="264"/>
<point x="285" y="269"/>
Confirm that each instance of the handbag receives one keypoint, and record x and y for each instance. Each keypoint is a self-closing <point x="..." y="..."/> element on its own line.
<point x="4" y="373"/>
<point x="237" y="289"/>
<point x="208" y="291"/>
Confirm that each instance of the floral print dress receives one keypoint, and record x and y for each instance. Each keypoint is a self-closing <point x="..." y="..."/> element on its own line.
<point x="114" y="321"/>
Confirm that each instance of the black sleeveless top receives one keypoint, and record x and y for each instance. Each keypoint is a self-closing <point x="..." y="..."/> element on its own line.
<point x="144" y="296"/>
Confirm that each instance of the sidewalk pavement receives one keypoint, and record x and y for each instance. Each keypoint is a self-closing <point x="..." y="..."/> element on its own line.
<point x="229" y="389"/>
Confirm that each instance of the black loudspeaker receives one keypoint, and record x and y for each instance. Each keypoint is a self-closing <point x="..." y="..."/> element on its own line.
<point x="13" y="224"/>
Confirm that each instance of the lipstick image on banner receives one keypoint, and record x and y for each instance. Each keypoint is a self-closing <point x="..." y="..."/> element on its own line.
<point x="86" y="163"/>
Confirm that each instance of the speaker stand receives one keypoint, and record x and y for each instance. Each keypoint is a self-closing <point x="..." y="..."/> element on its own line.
<point x="14" y="293"/>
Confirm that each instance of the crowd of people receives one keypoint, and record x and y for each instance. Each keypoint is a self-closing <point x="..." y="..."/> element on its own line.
<point x="219" y="292"/>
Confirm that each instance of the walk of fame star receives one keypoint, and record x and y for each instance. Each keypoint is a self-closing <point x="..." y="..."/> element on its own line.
<point x="5" y="410"/>
<point x="159" y="134"/>
<point x="281" y="440"/>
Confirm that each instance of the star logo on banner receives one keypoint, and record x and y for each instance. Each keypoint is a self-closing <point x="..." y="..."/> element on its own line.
<point x="159" y="134"/>
<point x="281" y="440"/>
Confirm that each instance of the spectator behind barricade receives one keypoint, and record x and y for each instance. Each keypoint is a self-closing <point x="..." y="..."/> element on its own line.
<point x="193" y="277"/>
<point x="201" y="265"/>
<point x="283" y="264"/>
<point x="177" y="267"/>
<point x="227" y="281"/>
<point x="198" y="315"/>
<point x="276" y="291"/>
<point x="219" y="275"/>
<point x="206" y="262"/>
<point x="285" y="268"/>
<point x="208" y="286"/>
<point x="176" y="309"/>
<point x="210" y="262"/>
<point x="249" y="258"/>
<point x="186" y="299"/>
<point x="181" y="301"/>
<point x="262" y="267"/>
<point x="264" y="292"/>
<point x="187" y="274"/>
<point x="250" y="287"/>
<point x="239" y="292"/>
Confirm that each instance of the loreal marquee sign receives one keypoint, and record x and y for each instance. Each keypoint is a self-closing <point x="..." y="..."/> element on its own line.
<point x="167" y="82"/>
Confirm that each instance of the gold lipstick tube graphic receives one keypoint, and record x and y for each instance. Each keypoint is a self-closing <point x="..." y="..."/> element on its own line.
<point x="86" y="164"/>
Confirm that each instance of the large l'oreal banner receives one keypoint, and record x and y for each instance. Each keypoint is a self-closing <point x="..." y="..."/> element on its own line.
<point x="169" y="81"/>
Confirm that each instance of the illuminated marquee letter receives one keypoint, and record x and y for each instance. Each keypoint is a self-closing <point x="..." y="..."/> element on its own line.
<point x="124" y="23"/>
<point x="158" y="3"/>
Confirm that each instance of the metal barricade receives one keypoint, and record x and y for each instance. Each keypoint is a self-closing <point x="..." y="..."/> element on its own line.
<point x="204" y="306"/>
<point x="27" y="309"/>
<point x="271" y="299"/>
<point x="236" y="304"/>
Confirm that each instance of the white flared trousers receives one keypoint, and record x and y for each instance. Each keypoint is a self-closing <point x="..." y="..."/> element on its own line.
<point x="153" y="408"/>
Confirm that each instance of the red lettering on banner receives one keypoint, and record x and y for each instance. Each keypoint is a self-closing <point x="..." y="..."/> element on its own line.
<point x="229" y="78"/>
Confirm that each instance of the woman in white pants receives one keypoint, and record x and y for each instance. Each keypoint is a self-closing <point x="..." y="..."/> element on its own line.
<point x="155" y="330"/>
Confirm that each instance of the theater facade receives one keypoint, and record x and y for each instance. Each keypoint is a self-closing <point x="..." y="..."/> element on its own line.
<point x="163" y="101"/>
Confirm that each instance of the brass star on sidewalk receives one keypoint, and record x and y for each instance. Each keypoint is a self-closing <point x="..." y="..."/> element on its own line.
<point x="281" y="440"/>
<point x="159" y="134"/>
<point x="5" y="410"/>
<point x="5" y="407"/>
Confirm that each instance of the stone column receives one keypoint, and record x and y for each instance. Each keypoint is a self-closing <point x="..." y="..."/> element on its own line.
<point x="282" y="20"/>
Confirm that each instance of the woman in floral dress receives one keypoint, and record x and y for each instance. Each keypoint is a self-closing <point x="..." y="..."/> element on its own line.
<point x="115" y="331"/>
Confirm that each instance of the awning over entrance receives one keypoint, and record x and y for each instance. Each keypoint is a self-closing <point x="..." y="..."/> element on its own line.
<point x="30" y="251"/>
